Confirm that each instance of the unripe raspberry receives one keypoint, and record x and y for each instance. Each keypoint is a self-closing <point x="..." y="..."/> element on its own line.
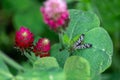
<point x="24" y="38"/>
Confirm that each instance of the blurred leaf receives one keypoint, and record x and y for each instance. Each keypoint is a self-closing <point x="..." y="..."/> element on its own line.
<point x="41" y="75"/>
<point x="3" y="65"/>
<point x="17" y="5"/>
<point x="97" y="77"/>
<point x="11" y="62"/>
<point x="36" y="39"/>
<point x="26" y="65"/>
<point x="78" y="1"/>
<point x="52" y="36"/>
<point x="81" y="22"/>
<point x="60" y="55"/>
<point x="45" y="63"/>
<point x="4" y="39"/>
<point x="31" y="18"/>
<point x="112" y="76"/>
<point x="86" y="6"/>
<point x="109" y="13"/>
<point x="77" y="68"/>
<point x="4" y="72"/>
<point x="69" y="1"/>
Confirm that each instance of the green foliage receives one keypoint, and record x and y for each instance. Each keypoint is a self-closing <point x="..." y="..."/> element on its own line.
<point x="45" y="63"/>
<point x="4" y="72"/>
<point x="77" y="68"/>
<point x="86" y="64"/>
<point x="30" y="18"/>
<point x="10" y="61"/>
<point x="45" y="68"/>
<point x="17" y="5"/>
<point x="109" y="13"/>
<point x="81" y="22"/>
<point x="60" y="55"/>
<point x="99" y="56"/>
<point x="41" y="75"/>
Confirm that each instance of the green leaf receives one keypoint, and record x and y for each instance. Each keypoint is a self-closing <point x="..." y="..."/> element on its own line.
<point x="32" y="19"/>
<point x="4" y="72"/>
<point x="81" y="22"/>
<point x="11" y="62"/>
<point x="77" y="68"/>
<point x="65" y="39"/>
<point x="98" y="77"/>
<point x="100" y="55"/>
<point x="45" y="63"/>
<point x="3" y="65"/>
<point x="60" y="55"/>
<point x="34" y="74"/>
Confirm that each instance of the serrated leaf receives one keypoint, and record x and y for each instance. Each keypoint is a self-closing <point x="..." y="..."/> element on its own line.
<point x="100" y="55"/>
<point x="81" y="22"/>
<point x="60" y="55"/>
<point x="77" y="68"/>
<point x="45" y="63"/>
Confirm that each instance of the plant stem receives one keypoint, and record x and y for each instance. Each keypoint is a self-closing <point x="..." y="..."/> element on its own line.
<point x="29" y="57"/>
<point x="60" y="39"/>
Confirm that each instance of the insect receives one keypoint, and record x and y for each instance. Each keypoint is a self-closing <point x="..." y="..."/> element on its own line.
<point x="80" y="45"/>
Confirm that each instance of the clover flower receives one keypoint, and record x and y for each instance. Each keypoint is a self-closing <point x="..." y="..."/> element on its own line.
<point x="42" y="47"/>
<point x="24" y="38"/>
<point x="55" y="13"/>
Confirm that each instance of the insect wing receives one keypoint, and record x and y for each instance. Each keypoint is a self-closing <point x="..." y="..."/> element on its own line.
<point x="78" y="42"/>
<point x="83" y="46"/>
